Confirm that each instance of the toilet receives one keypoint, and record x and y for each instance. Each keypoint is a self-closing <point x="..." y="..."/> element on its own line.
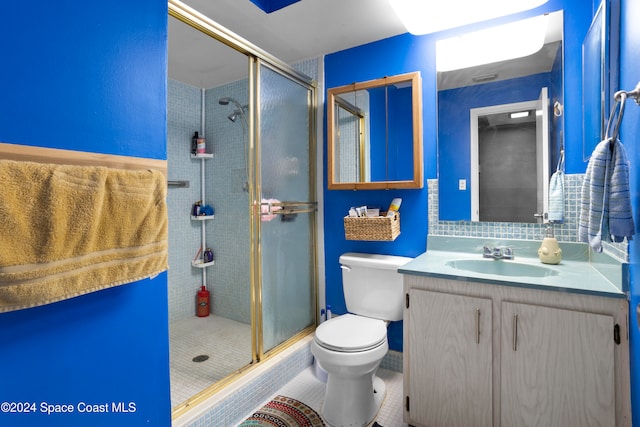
<point x="350" y="347"/>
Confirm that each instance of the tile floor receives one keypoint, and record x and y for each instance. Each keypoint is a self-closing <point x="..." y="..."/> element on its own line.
<point x="308" y="389"/>
<point x="226" y="342"/>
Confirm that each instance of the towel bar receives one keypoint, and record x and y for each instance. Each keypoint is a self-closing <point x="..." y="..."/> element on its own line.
<point x="620" y="97"/>
<point x="635" y="94"/>
<point x="179" y="184"/>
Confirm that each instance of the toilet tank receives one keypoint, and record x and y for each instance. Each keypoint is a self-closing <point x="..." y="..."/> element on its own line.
<point x="372" y="285"/>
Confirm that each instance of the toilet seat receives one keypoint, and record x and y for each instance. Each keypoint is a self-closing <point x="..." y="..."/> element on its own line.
<point x="350" y="333"/>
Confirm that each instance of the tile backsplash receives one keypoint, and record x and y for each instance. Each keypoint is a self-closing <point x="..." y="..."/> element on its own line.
<point x="566" y="232"/>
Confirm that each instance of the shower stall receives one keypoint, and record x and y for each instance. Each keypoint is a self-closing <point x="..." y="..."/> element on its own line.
<point x="259" y="178"/>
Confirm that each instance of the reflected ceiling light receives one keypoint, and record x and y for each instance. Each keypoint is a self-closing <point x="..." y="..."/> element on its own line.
<point x="423" y="16"/>
<point x="519" y="114"/>
<point x="509" y="41"/>
<point x="484" y="78"/>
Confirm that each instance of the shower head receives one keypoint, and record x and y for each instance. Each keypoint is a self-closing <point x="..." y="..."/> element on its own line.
<point x="234" y="115"/>
<point x="227" y="100"/>
<point x="239" y="111"/>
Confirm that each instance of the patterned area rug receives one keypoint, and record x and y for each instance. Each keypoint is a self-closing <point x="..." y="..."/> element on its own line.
<point x="284" y="411"/>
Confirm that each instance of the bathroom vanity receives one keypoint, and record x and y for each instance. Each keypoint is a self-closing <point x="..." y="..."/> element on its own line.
<point x="529" y="344"/>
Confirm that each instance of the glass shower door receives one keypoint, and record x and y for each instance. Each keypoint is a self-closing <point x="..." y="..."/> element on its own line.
<point x="285" y="202"/>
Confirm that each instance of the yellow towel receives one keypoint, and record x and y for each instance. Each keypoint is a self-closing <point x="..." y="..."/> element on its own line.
<point x="70" y="230"/>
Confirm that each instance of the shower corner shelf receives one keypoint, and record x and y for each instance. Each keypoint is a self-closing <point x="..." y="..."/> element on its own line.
<point x="200" y="264"/>
<point x="202" y="156"/>
<point x="201" y="217"/>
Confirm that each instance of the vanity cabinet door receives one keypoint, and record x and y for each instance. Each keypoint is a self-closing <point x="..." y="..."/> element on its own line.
<point x="557" y="367"/>
<point x="450" y="360"/>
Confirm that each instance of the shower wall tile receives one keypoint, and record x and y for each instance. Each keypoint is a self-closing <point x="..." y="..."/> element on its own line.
<point x="228" y="236"/>
<point x="308" y="67"/>
<point x="183" y="119"/>
<point x="566" y="232"/>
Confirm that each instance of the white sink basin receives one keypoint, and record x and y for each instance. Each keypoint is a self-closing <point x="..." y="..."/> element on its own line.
<point x="501" y="267"/>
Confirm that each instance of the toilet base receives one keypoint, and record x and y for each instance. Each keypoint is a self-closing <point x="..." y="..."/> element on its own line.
<point x="353" y="402"/>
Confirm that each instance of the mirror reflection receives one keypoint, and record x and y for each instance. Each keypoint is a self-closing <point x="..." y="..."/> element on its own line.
<point x="375" y="134"/>
<point x="600" y="74"/>
<point x="487" y="156"/>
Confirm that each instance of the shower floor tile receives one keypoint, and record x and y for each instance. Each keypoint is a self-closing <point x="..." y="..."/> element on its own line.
<point x="225" y="341"/>
<point x="306" y="388"/>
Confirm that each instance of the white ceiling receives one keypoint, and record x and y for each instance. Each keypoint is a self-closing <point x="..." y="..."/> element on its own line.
<point x="306" y="29"/>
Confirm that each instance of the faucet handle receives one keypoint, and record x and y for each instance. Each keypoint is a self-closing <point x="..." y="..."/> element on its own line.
<point x="487" y="252"/>
<point x="508" y="253"/>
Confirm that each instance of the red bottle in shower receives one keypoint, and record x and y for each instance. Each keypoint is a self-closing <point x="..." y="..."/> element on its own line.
<point x="202" y="308"/>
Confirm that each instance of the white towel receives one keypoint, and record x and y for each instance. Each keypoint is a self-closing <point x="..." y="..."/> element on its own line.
<point x="556" y="194"/>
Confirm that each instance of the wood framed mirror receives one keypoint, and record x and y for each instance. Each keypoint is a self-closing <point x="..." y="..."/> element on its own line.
<point x="374" y="132"/>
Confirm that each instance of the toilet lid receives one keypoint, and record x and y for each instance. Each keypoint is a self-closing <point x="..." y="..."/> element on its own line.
<point x="351" y="333"/>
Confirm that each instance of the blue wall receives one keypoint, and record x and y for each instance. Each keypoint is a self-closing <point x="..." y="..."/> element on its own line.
<point x="630" y="136"/>
<point x="87" y="76"/>
<point x="383" y="58"/>
<point x="406" y="53"/>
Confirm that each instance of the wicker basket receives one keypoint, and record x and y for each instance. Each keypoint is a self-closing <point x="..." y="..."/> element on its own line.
<point x="372" y="228"/>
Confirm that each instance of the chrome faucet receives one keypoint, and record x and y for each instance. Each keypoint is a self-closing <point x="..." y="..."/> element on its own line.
<point x="498" y="252"/>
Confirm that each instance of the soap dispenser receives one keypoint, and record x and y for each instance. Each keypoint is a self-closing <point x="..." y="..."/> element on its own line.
<point x="549" y="251"/>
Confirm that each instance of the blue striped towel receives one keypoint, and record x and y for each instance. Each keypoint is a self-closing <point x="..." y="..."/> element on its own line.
<point x="605" y="212"/>
<point x="556" y="194"/>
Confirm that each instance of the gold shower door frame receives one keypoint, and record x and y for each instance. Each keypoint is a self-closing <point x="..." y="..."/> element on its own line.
<point x="290" y="207"/>
<point x="257" y="58"/>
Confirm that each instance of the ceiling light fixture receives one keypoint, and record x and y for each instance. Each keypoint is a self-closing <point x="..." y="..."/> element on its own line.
<point x="500" y="43"/>
<point x="424" y="17"/>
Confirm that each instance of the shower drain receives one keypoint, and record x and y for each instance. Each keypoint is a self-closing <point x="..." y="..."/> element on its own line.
<point x="200" y="358"/>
